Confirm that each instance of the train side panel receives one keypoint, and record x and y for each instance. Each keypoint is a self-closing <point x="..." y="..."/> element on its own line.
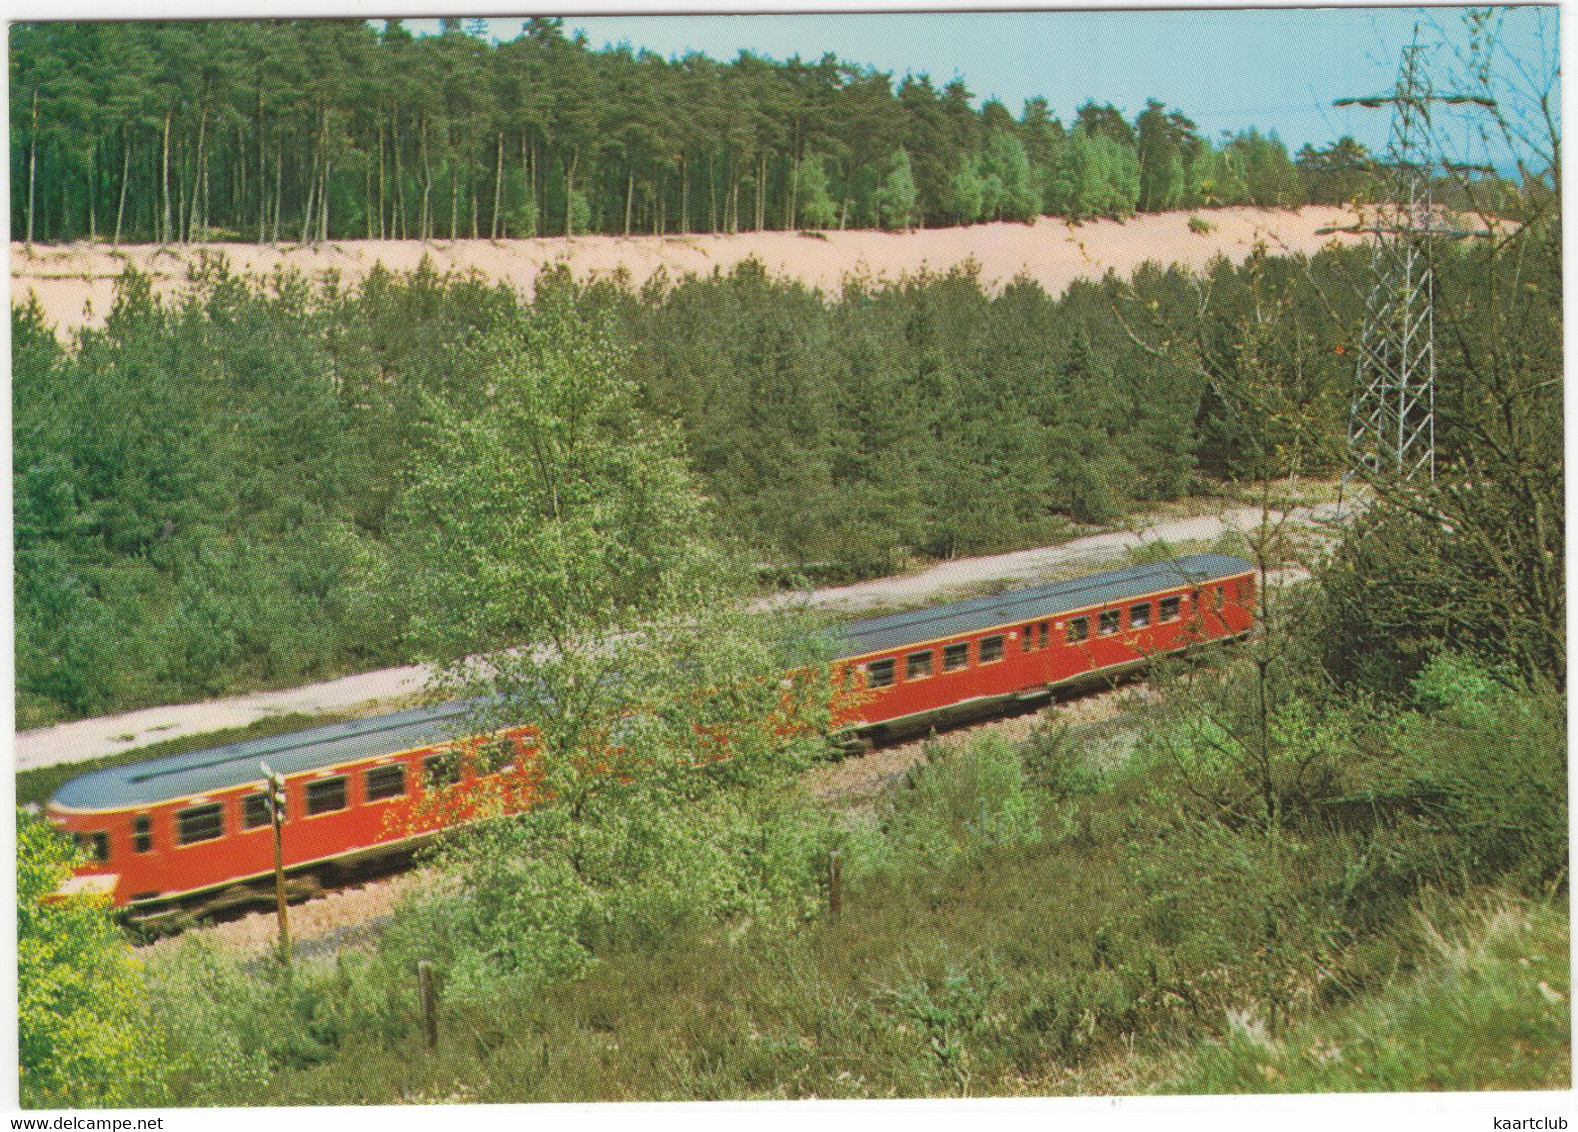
<point x="172" y="849"/>
<point x="1003" y="661"/>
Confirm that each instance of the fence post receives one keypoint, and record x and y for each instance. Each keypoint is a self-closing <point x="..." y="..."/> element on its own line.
<point x="429" y="997"/>
<point x="835" y="883"/>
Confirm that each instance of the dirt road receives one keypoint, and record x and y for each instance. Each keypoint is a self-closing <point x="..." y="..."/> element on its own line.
<point x="91" y="738"/>
<point x="1029" y="565"/>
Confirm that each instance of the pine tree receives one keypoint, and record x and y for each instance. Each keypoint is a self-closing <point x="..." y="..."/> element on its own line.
<point x="895" y="198"/>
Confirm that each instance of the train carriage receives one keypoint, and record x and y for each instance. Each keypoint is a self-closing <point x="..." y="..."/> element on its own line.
<point x="198" y="824"/>
<point x="965" y="657"/>
<point x="195" y="827"/>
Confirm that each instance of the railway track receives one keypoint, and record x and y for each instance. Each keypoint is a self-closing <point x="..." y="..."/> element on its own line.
<point x="346" y="916"/>
<point x="354" y="914"/>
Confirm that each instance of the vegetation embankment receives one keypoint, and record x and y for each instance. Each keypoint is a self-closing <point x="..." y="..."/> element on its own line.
<point x="204" y="487"/>
<point x="1077" y="914"/>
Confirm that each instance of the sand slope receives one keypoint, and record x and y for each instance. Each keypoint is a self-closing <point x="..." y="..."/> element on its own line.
<point x="75" y="283"/>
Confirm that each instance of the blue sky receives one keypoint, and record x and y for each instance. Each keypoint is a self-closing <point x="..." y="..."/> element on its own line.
<point x="1275" y="69"/>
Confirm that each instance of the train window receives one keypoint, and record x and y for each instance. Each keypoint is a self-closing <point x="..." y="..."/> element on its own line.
<point x="1028" y="642"/>
<point x="142" y="833"/>
<point x="325" y="795"/>
<point x="991" y="649"/>
<point x="1045" y="631"/>
<point x="440" y="770"/>
<point x="879" y="673"/>
<point x="385" y="782"/>
<point x="255" y="811"/>
<point x="1215" y="598"/>
<point x="1140" y="615"/>
<point x="95" y="845"/>
<point x="1078" y="629"/>
<point x="1169" y="609"/>
<point x="494" y="757"/>
<point x="1108" y="622"/>
<point x="956" y="655"/>
<point x="917" y="666"/>
<point x="199" y="823"/>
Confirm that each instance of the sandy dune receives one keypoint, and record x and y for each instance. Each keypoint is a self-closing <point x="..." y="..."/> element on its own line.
<point x="75" y="284"/>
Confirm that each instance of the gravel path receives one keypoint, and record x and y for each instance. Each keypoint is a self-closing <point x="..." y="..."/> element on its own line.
<point x="85" y="739"/>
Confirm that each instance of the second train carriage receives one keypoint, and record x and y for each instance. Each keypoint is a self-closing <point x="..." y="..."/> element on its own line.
<point x="196" y="826"/>
<point x="922" y="666"/>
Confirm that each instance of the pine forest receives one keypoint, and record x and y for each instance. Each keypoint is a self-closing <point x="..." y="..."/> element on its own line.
<point x="313" y="130"/>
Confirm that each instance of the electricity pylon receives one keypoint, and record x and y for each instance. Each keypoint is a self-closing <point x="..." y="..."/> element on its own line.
<point x="1392" y="421"/>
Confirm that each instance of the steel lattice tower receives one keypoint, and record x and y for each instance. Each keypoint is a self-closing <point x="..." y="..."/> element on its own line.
<point x="1392" y="422"/>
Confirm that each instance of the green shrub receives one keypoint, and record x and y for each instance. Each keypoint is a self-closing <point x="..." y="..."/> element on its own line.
<point x="1484" y="759"/>
<point x="230" y="1025"/>
<point x="1057" y="762"/>
<point x="946" y="1015"/>
<point x="537" y="899"/>
<point x="960" y="802"/>
<point x="1074" y="1013"/>
<point x="82" y="1032"/>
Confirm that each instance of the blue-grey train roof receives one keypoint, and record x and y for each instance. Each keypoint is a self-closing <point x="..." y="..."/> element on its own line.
<point x="236" y="764"/>
<point x="1035" y="603"/>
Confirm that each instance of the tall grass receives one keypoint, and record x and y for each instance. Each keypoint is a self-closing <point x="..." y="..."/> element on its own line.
<point x="1490" y="1009"/>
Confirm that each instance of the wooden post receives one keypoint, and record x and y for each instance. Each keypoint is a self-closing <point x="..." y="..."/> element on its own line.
<point x="276" y="805"/>
<point x="835" y="883"/>
<point x="429" y="998"/>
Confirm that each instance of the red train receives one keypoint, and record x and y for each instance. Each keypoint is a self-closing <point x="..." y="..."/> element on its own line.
<point x="195" y="827"/>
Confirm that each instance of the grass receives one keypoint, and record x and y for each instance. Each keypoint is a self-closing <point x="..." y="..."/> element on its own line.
<point x="905" y="995"/>
<point x="1302" y="492"/>
<point x="1492" y="1011"/>
<point x="1006" y="975"/>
